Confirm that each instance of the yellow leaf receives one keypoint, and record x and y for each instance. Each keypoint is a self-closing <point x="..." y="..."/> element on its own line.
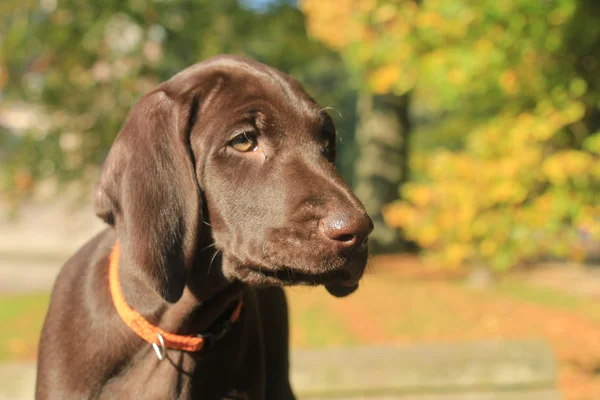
<point x="385" y="13"/>
<point x="456" y="76"/>
<point x="383" y="79"/>
<point x="419" y="195"/>
<point x="508" y="81"/>
<point x="488" y="247"/>
<point x="456" y="254"/>
<point x="427" y="236"/>
<point x="573" y="112"/>
<point x="399" y="214"/>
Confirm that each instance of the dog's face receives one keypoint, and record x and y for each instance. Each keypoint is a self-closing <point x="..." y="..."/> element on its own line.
<point x="260" y="154"/>
<point x="280" y="213"/>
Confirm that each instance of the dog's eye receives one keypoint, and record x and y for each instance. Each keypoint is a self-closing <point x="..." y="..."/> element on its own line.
<point x="328" y="149"/>
<point x="244" y="142"/>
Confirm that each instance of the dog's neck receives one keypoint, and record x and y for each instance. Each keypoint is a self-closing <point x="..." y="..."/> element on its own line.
<point x="206" y="297"/>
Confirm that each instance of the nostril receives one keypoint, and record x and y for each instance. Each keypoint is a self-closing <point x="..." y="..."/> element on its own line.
<point x="346" y="229"/>
<point x="345" y="238"/>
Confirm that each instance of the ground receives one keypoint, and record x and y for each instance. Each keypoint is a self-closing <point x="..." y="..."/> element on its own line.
<point x="401" y="301"/>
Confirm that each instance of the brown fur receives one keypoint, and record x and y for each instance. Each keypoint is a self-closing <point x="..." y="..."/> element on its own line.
<point x="200" y="224"/>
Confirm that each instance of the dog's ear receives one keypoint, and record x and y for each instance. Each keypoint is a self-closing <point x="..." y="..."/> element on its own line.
<point x="148" y="191"/>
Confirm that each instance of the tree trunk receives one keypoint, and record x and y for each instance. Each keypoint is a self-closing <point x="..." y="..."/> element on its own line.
<point x="382" y="135"/>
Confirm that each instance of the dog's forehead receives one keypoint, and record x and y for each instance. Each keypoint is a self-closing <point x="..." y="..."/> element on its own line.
<point x="279" y="91"/>
<point x="247" y="80"/>
<point x="268" y="84"/>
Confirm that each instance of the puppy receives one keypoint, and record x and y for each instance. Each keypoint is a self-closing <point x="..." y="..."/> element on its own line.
<point x="220" y="189"/>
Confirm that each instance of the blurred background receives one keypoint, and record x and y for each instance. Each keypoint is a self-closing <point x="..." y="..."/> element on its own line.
<point x="470" y="129"/>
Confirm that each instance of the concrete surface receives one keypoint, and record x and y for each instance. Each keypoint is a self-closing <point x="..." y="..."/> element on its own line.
<point x="499" y="368"/>
<point x="34" y="247"/>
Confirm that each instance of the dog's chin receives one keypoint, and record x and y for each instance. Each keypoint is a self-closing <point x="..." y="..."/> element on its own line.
<point x="347" y="286"/>
<point x="341" y="289"/>
<point x="340" y="281"/>
<point x="260" y="276"/>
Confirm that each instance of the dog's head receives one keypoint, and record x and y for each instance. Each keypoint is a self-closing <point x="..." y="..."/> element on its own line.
<point x="235" y="149"/>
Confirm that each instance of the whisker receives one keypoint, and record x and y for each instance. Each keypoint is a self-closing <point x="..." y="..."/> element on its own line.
<point x="208" y="247"/>
<point x="206" y="223"/>
<point x="265" y="256"/>
<point x="333" y="109"/>
<point x="211" y="261"/>
<point x="369" y="267"/>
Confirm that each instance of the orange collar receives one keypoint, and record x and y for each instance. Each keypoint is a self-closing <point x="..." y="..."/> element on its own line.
<point x="144" y="329"/>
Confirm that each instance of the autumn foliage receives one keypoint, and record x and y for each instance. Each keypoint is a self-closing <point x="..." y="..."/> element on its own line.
<point x="516" y="86"/>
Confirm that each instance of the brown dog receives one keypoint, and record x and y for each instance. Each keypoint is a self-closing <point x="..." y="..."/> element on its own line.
<point x="220" y="185"/>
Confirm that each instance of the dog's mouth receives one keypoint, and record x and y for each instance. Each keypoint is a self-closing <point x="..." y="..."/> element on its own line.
<point x="303" y="266"/>
<point x="286" y="276"/>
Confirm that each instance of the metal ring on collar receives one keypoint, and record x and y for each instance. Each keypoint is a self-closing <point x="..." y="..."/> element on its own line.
<point x="161" y="351"/>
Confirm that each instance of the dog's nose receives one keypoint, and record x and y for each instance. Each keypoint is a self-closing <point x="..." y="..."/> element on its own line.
<point x="347" y="230"/>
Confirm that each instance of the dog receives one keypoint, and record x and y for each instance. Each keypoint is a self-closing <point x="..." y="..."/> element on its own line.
<point x="220" y="189"/>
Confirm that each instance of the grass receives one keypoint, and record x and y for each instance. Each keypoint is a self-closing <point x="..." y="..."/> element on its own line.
<point x="546" y="297"/>
<point x="321" y="329"/>
<point x="21" y="318"/>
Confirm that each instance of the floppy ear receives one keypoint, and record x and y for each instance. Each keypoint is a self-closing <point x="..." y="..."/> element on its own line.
<point x="148" y="190"/>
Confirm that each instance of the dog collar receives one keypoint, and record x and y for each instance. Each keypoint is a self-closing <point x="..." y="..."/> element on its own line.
<point x="159" y="339"/>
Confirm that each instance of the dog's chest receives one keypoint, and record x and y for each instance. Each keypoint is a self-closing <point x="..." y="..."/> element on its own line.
<point x="233" y="370"/>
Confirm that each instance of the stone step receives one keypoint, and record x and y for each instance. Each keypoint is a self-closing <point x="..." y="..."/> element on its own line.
<point x="501" y="368"/>
<point x="519" y="395"/>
